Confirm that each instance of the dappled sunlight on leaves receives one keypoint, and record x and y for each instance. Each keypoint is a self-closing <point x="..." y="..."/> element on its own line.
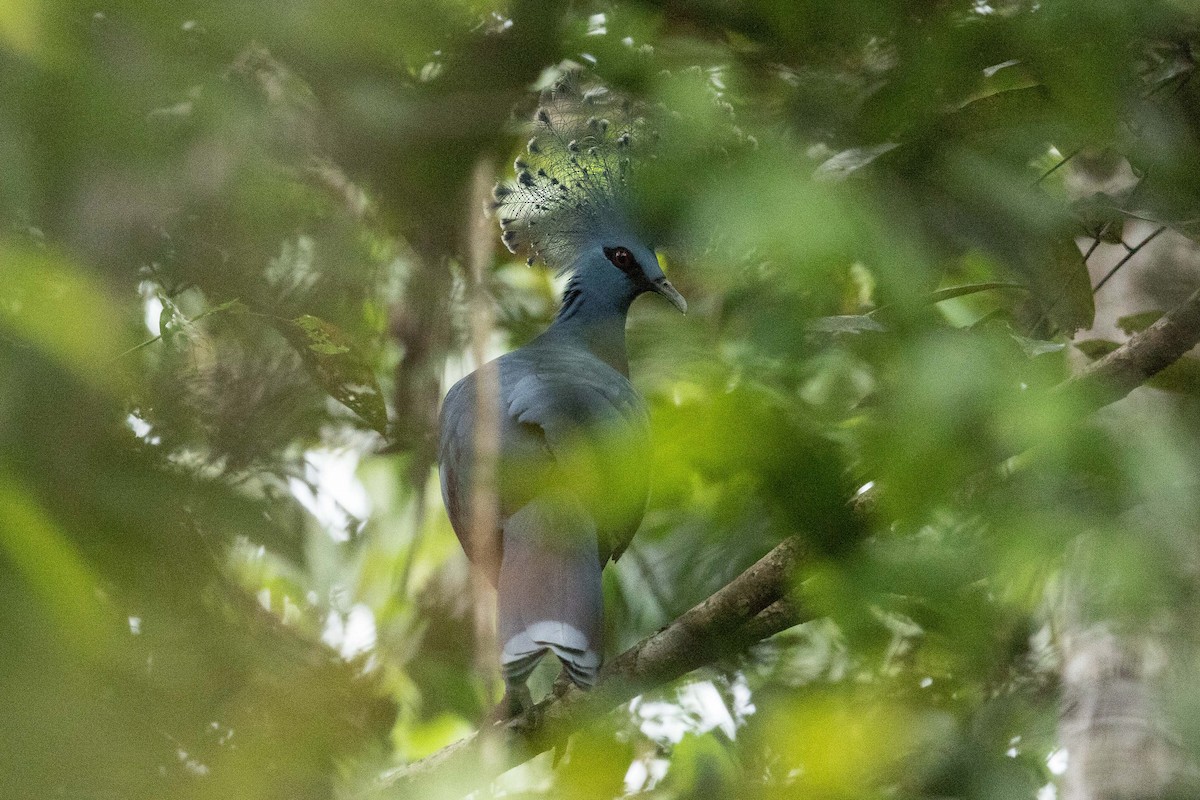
<point x="237" y="276"/>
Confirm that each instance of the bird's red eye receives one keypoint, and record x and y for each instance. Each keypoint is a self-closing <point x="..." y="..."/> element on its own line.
<point x="620" y="257"/>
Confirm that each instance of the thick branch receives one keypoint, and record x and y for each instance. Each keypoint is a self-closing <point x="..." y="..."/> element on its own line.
<point x="697" y="637"/>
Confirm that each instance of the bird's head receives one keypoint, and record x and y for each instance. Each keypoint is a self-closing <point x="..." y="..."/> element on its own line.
<point x="631" y="268"/>
<point x="571" y="198"/>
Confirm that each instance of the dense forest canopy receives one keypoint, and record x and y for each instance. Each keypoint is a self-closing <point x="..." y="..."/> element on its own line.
<point x="929" y="248"/>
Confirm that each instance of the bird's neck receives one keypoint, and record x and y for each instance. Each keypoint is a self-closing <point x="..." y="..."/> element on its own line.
<point x="593" y="315"/>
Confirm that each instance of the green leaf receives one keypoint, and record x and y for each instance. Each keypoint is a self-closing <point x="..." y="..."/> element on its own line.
<point x="1096" y="348"/>
<point x="1136" y="323"/>
<point x="1101" y="216"/>
<point x="44" y="555"/>
<point x="1037" y="347"/>
<point x="322" y="337"/>
<point x="840" y="166"/>
<point x="951" y="292"/>
<point x="1065" y="287"/>
<point x="1007" y="76"/>
<point x="850" y="323"/>
<point x="56" y="306"/>
<point x="1021" y="106"/>
<point x="1183" y="376"/>
<point x="337" y="366"/>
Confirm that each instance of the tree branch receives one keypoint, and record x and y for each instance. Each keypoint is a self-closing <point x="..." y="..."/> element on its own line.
<point x="696" y="637"/>
<point x="754" y="606"/>
<point x="1147" y="353"/>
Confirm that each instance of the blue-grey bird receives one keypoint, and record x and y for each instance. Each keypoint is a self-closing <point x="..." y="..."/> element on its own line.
<point x="573" y="433"/>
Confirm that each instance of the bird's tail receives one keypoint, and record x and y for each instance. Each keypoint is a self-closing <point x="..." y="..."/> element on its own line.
<point x="550" y="597"/>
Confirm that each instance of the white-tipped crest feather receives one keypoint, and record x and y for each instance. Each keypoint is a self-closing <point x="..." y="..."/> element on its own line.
<point x="573" y="185"/>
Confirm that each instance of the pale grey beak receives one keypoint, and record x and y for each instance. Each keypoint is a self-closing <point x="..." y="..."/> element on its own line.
<point x="664" y="287"/>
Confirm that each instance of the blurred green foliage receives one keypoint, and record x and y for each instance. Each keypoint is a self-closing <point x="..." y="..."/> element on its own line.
<point x="233" y="239"/>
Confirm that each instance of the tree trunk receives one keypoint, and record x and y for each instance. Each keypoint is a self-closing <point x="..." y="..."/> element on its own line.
<point x="1117" y="744"/>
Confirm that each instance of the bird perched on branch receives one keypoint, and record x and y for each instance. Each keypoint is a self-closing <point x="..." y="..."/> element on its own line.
<point x="571" y="434"/>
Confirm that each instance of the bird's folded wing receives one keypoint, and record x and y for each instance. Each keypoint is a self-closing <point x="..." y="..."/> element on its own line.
<point x="591" y="415"/>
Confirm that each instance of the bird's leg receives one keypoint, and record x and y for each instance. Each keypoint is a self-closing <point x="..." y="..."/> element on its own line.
<point x="516" y="701"/>
<point x="516" y="710"/>
<point x="562" y="684"/>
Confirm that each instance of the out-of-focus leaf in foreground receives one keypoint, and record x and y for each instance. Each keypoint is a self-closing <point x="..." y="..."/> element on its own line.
<point x="55" y="306"/>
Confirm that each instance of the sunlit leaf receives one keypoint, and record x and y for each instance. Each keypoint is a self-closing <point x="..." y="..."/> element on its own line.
<point x="703" y="763"/>
<point x="53" y="567"/>
<point x="57" y="307"/>
<point x="1005" y="76"/>
<point x="19" y="27"/>
<point x="338" y="367"/>
<point x="836" y="751"/>
<point x="842" y="165"/>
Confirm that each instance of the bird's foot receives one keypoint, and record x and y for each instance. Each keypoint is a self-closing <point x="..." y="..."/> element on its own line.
<point x="516" y="710"/>
<point x="562" y="684"/>
<point x="527" y="721"/>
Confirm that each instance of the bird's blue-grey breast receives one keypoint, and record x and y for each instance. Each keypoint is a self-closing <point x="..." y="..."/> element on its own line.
<point x="573" y="434"/>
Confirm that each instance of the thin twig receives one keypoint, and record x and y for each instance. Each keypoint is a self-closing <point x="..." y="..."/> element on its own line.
<point x="1056" y="167"/>
<point x="1132" y="252"/>
<point x="226" y="306"/>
